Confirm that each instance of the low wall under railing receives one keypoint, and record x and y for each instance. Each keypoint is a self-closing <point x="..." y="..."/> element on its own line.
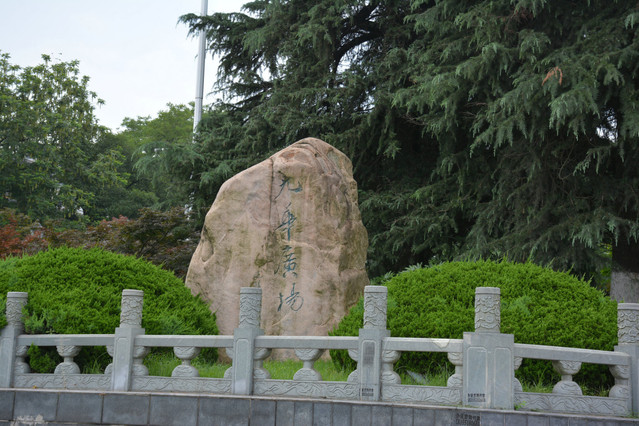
<point x="485" y="360"/>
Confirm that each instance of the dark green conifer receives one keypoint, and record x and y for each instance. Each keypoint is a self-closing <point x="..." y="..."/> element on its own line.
<point x="476" y="128"/>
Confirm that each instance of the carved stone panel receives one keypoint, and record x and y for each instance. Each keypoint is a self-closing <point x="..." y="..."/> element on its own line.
<point x="131" y="311"/>
<point x="63" y="381"/>
<point x="530" y="401"/>
<point x="181" y="384"/>
<point x="15" y="302"/>
<point x="422" y="394"/>
<point x="487" y="310"/>
<point x="314" y="389"/>
<point x="628" y="323"/>
<point x="250" y="307"/>
<point x="375" y="307"/>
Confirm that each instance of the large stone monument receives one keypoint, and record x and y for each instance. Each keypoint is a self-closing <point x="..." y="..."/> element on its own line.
<point x="290" y="225"/>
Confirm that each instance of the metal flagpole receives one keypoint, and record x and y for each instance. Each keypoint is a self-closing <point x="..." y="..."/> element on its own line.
<point x="199" y="90"/>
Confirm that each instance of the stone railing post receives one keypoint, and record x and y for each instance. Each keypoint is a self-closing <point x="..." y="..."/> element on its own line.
<point x="628" y="336"/>
<point x="124" y="341"/>
<point x="9" y="337"/>
<point x="370" y="350"/>
<point x="488" y="363"/>
<point x="244" y="340"/>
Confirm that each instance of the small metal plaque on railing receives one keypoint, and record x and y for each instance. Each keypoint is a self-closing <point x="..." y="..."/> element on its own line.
<point x="467" y="419"/>
<point x="368" y="392"/>
<point x="476" y="397"/>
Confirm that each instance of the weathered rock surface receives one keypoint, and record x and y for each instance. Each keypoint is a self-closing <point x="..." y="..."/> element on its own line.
<point x="290" y="225"/>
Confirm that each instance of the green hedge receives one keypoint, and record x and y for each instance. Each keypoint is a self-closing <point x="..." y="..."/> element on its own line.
<point x="79" y="291"/>
<point x="538" y="306"/>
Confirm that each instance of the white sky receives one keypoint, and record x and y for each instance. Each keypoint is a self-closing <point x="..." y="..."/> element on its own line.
<point x="135" y="52"/>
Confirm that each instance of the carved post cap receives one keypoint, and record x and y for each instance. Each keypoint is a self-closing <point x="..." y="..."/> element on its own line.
<point x="131" y="310"/>
<point x="375" y="306"/>
<point x="15" y="302"/>
<point x="628" y="323"/>
<point x="488" y="290"/>
<point x="129" y="292"/>
<point x="487" y="309"/>
<point x="250" y="307"/>
<point x="24" y="295"/>
<point x="375" y="289"/>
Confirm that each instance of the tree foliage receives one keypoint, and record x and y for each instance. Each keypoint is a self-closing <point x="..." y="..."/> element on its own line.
<point x="133" y="192"/>
<point x="476" y="128"/>
<point x="19" y="235"/>
<point x="48" y="164"/>
<point x="56" y="161"/>
<point x="162" y="151"/>
<point x="166" y="239"/>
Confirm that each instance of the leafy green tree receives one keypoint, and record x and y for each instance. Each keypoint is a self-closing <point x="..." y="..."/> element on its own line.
<point x="48" y="165"/>
<point x="162" y="153"/>
<point x="476" y="128"/>
<point x="133" y="192"/>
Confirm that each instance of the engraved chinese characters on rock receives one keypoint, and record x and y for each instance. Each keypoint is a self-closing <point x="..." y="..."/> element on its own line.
<point x="288" y="263"/>
<point x="291" y="226"/>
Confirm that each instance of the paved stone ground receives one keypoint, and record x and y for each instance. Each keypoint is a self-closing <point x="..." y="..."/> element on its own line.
<point x="35" y="407"/>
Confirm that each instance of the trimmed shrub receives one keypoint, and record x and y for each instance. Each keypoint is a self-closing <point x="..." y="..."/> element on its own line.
<point x="538" y="305"/>
<point x="76" y="291"/>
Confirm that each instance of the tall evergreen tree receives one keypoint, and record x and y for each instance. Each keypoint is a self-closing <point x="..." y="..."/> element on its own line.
<point x="476" y="128"/>
<point x="543" y="95"/>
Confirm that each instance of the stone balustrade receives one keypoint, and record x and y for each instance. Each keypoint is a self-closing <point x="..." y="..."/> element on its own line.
<point x="484" y="360"/>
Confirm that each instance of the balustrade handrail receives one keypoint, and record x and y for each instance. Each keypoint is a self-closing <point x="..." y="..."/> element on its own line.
<point x="172" y="340"/>
<point x="306" y="342"/>
<point x="65" y="339"/>
<point x="422" y="344"/>
<point x="402" y="344"/>
<point x="559" y="353"/>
